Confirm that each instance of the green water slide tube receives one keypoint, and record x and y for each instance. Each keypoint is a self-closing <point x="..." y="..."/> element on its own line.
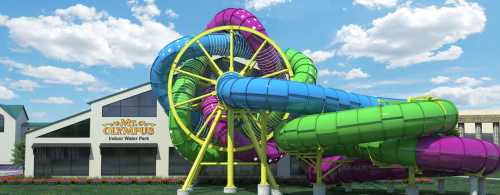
<point x="364" y="125"/>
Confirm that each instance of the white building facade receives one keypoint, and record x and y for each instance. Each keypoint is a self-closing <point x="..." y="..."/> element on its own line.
<point x="120" y="135"/>
<point x="12" y="128"/>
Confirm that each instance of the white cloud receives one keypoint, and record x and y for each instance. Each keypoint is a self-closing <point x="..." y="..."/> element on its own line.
<point x="320" y="55"/>
<point x="91" y="37"/>
<point x="354" y="73"/>
<point x="469" y="92"/>
<point x="412" y="35"/>
<point x="24" y="85"/>
<point x="171" y="13"/>
<point x="80" y="12"/>
<point x="376" y="4"/>
<point x="440" y="79"/>
<point x="486" y="78"/>
<point x="53" y="100"/>
<point x="3" y="19"/>
<point x="56" y="75"/>
<point x="51" y="74"/>
<point x="101" y="87"/>
<point x="468" y="81"/>
<point x="262" y="4"/>
<point x="354" y="86"/>
<point x="468" y="95"/>
<point x="144" y="12"/>
<point x="6" y="94"/>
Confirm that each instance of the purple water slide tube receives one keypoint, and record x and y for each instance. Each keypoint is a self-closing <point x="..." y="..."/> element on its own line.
<point x="435" y="156"/>
<point x="363" y="170"/>
<point x="457" y="154"/>
<point x="268" y="59"/>
<point x="359" y="170"/>
<point x="273" y="154"/>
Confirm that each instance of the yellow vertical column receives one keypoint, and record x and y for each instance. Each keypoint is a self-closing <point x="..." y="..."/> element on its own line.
<point x="230" y="187"/>
<point x="411" y="189"/>
<point x="231" y="51"/>
<point x="263" y="145"/>
<point x="263" y="188"/>
<point x="317" y="168"/>
<point x="319" y="187"/>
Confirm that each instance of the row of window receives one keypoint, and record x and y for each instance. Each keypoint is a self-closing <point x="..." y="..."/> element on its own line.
<point x="141" y="105"/>
<point x="74" y="161"/>
<point x="61" y="161"/>
<point x="128" y="161"/>
<point x="2" y="123"/>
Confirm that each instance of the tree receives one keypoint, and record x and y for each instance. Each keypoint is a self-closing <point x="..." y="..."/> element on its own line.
<point x="18" y="153"/>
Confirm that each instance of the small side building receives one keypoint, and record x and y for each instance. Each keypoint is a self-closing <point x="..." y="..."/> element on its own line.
<point x="12" y="127"/>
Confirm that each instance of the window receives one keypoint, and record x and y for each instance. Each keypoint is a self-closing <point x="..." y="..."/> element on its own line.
<point x="142" y="105"/>
<point x="128" y="161"/>
<point x="297" y="167"/>
<point x="80" y="129"/>
<point x="2" y="123"/>
<point x="177" y="165"/>
<point x="61" y="161"/>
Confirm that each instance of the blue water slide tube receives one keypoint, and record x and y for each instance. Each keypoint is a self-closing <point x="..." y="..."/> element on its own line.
<point x="289" y="96"/>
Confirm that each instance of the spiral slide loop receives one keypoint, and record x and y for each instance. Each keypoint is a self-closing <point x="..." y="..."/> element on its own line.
<point x="235" y="98"/>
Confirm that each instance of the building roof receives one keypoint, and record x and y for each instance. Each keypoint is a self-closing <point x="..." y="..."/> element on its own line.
<point x="118" y="93"/>
<point x="58" y="121"/>
<point x="36" y="125"/>
<point x="14" y="110"/>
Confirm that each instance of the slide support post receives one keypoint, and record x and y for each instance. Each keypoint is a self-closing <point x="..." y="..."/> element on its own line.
<point x="474" y="185"/>
<point x="411" y="189"/>
<point x="482" y="185"/>
<point x="319" y="187"/>
<point x="441" y="186"/>
<point x="230" y="187"/>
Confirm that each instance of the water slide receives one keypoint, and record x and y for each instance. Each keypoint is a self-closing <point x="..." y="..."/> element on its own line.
<point x="373" y="131"/>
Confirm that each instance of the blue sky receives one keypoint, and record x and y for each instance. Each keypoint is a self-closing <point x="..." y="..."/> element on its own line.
<point x="58" y="55"/>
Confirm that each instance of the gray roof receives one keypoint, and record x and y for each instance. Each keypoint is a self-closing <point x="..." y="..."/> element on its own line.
<point x="117" y="93"/>
<point x="14" y="110"/>
<point x="36" y="125"/>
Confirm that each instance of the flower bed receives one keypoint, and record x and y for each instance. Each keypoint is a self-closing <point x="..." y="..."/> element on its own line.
<point x="85" y="180"/>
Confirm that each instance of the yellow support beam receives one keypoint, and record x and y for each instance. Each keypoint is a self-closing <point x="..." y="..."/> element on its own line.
<point x="331" y="170"/>
<point x="260" y="152"/>
<point x="319" y="177"/>
<point x="211" y="81"/>
<point x="411" y="176"/>
<point x="230" y="149"/>
<point x="212" y="63"/>
<point x="251" y="63"/>
<point x="307" y="162"/>
<point x="205" y="123"/>
<point x="231" y="51"/>
<point x="225" y="163"/>
<point x="201" y="154"/>
<point x="275" y="73"/>
<point x="195" y="99"/>
<point x="263" y="145"/>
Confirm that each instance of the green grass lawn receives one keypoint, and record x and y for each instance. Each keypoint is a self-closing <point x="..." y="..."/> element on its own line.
<point x="456" y="186"/>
